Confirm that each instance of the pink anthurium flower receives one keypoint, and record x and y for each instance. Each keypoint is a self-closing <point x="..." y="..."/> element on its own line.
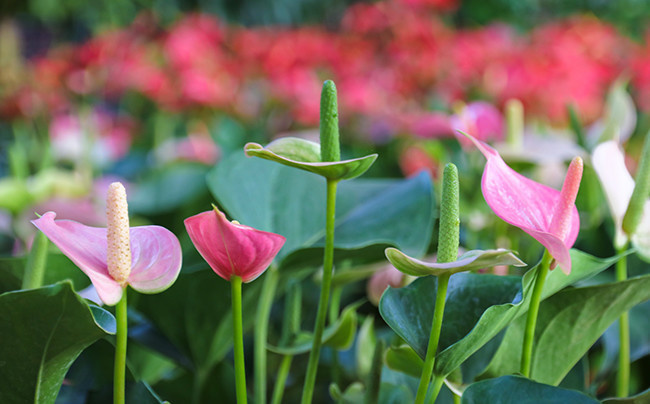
<point x="548" y="215"/>
<point x="230" y="248"/>
<point x="155" y="255"/>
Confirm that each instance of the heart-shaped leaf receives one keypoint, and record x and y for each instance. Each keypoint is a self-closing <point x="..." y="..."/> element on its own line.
<point x="339" y="335"/>
<point x="568" y="324"/>
<point x="641" y="398"/>
<point x="478" y="307"/>
<point x="279" y="199"/>
<point x="471" y="260"/>
<point x="305" y="155"/>
<point x="42" y="332"/>
<point x="518" y="390"/>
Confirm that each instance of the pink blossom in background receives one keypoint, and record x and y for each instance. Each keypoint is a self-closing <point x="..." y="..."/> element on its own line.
<point x="481" y="119"/>
<point x="381" y="280"/>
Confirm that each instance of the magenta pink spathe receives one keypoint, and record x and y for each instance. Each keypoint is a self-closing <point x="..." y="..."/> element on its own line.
<point x="231" y="248"/>
<point x="548" y="215"/>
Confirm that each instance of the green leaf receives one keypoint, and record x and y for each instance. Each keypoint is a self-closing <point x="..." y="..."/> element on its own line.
<point x="42" y="332"/>
<point x="567" y="326"/>
<point x="168" y="189"/>
<point x="519" y="390"/>
<point x="641" y="398"/>
<point x="339" y="335"/>
<point x="196" y="315"/>
<point x="404" y="359"/>
<point x="305" y="155"/>
<point x="471" y="260"/>
<point x="365" y="349"/>
<point x="478" y="307"/>
<point x="275" y="198"/>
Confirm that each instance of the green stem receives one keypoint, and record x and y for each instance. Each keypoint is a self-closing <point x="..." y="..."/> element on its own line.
<point x="457" y="399"/>
<point x="238" y="338"/>
<point x="435" y="388"/>
<point x="533" y="310"/>
<point x="328" y="261"/>
<point x="119" y="374"/>
<point x="623" y="376"/>
<point x="280" y="382"/>
<point x="374" y="377"/>
<point x="35" y="268"/>
<point x="197" y="387"/>
<point x="261" y="331"/>
<point x="432" y="348"/>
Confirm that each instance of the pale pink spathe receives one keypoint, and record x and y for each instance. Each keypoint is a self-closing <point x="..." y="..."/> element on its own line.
<point x="528" y="205"/>
<point x="155" y="255"/>
<point x="231" y="248"/>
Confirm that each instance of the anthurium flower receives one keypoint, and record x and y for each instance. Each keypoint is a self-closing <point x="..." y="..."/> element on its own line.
<point x="306" y="155"/>
<point x="548" y="215"/>
<point x="608" y="160"/>
<point x="155" y="255"/>
<point x="231" y="248"/>
<point x="471" y="260"/>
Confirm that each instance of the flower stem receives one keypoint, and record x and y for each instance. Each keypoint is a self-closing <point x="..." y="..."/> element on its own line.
<point x="623" y="376"/>
<point x="238" y="338"/>
<point x="533" y="310"/>
<point x="328" y="262"/>
<point x="283" y="372"/>
<point x="448" y="238"/>
<point x="35" y="268"/>
<point x="261" y="331"/>
<point x="432" y="348"/>
<point x="435" y="388"/>
<point x="119" y="373"/>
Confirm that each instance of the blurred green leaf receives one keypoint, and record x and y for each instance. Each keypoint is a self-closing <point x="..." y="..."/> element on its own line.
<point x="641" y="398"/>
<point x="339" y="335"/>
<point x="518" y="390"/>
<point x="168" y="189"/>
<point x="42" y="332"/>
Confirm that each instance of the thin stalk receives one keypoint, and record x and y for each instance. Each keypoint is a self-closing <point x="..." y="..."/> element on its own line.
<point x="262" y="330"/>
<point x="328" y="261"/>
<point x="623" y="375"/>
<point x="374" y="377"/>
<point x="533" y="310"/>
<point x="432" y="347"/>
<point x="457" y="399"/>
<point x="35" y="268"/>
<point x="283" y="372"/>
<point x="119" y="374"/>
<point x="435" y="388"/>
<point x="238" y="337"/>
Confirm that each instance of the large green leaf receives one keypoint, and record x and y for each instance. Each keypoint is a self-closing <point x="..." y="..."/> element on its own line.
<point x="42" y="332"/>
<point x="641" y="398"/>
<point x="519" y="390"/>
<point x="567" y="326"/>
<point x="291" y="202"/>
<point x="478" y="307"/>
